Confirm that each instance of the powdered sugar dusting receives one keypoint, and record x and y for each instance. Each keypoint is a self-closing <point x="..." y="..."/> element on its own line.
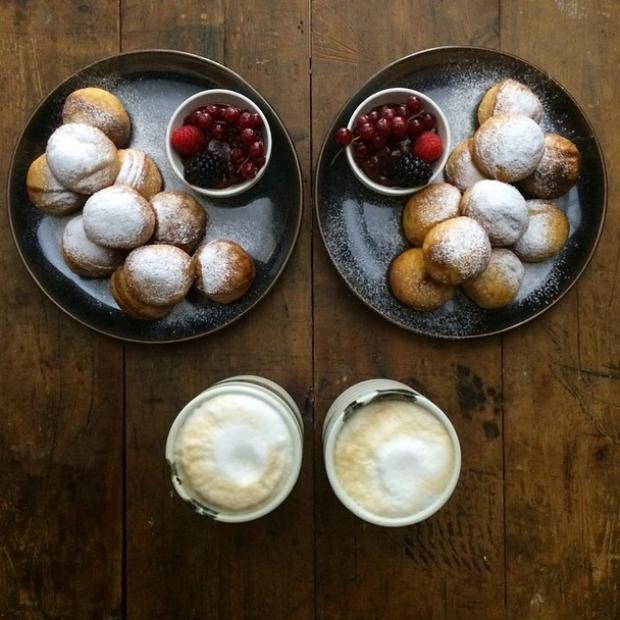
<point x="499" y="208"/>
<point x="159" y="273"/>
<point x="513" y="96"/>
<point x="76" y="243"/>
<point x="133" y="168"/>
<point x="216" y="264"/>
<point x="460" y="169"/>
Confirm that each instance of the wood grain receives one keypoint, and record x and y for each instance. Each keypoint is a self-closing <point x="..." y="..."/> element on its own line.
<point x="451" y="566"/>
<point x="561" y="372"/>
<point x="178" y="564"/>
<point x="60" y="384"/>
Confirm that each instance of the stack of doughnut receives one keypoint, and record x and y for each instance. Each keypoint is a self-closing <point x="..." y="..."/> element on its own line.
<point x="128" y="228"/>
<point x="496" y="210"/>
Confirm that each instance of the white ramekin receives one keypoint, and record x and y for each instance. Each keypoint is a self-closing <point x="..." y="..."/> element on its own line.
<point x="399" y="96"/>
<point x="213" y="96"/>
<point x="359" y="395"/>
<point x="267" y="391"/>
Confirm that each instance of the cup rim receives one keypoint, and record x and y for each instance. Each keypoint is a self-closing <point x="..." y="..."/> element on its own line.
<point x="257" y="391"/>
<point x="336" y="421"/>
<point x="233" y="190"/>
<point x="440" y="164"/>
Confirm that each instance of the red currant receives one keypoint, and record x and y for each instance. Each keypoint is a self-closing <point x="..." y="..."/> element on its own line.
<point x="416" y="127"/>
<point x="399" y="126"/>
<point x="221" y="112"/>
<point x="231" y="115"/>
<point x="388" y="112"/>
<point x="401" y="110"/>
<point x="378" y="142"/>
<point x="428" y="120"/>
<point x="257" y="149"/>
<point x="218" y="131"/>
<point x="237" y="155"/>
<point x="361" y="149"/>
<point x="259" y="162"/>
<point x="343" y="136"/>
<point x="247" y="136"/>
<point x="245" y="119"/>
<point x="373" y="117"/>
<point x="384" y="126"/>
<point x="211" y="109"/>
<point x="361" y="120"/>
<point x="367" y="132"/>
<point x="414" y="105"/>
<point x="256" y="122"/>
<point x="248" y="170"/>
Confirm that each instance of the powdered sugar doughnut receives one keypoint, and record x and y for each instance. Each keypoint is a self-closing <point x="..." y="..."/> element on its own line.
<point x="46" y="193"/>
<point x="456" y="250"/>
<point x="85" y="257"/>
<point x="508" y="147"/>
<point x="118" y="217"/>
<point x="460" y="168"/>
<point x="499" y="208"/>
<point x="546" y="234"/>
<point x="499" y="283"/>
<point x="159" y="275"/>
<point x="411" y="284"/>
<point x="510" y="96"/>
<point x="101" y="109"/>
<point x="181" y="221"/>
<point x="224" y="270"/>
<point x="557" y="171"/>
<point x="139" y="171"/>
<point x="431" y="205"/>
<point x="82" y="158"/>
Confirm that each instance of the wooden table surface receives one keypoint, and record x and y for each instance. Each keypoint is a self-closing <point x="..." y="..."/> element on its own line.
<point x="89" y="526"/>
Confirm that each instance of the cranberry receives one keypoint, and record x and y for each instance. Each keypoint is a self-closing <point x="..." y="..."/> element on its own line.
<point x="343" y="136"/>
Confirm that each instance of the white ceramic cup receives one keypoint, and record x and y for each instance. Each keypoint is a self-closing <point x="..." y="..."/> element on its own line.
<point x="362" y="394"/>
<point x="399" y="96"/>
<point x="213" y="96"/>
<point x="280" y="401"/>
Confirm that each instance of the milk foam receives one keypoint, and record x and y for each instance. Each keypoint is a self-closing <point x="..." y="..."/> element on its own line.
<point x="235" y="451"/>
<point x="394" y="458"/>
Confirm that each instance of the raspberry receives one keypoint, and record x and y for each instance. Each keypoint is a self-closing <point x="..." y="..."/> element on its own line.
<point x="188" y="140"/>
<point x="428" y="146"/>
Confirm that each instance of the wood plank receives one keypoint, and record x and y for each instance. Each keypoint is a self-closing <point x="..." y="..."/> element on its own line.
<point x="451" y="566"/>
<point x="180" y="565"/>
<point x="562" y="385"/>
<point x="60" y="384"/>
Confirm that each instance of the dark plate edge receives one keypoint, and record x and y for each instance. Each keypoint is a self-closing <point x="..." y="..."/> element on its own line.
<point x="598" y="233"/>
<point x="263" y="101"/>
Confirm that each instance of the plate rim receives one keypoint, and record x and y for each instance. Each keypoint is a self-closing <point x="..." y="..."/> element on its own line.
<point x="146" y="52"/>
<point x="599" y="232"/>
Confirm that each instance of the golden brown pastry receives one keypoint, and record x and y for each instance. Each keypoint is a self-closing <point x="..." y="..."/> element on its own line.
<point x="181" y="221"/>
<point x="460" y="168"/>
<point x="456" y="250"/>
<point x="152" y="280"/>
<point x="431" y="205"/>
<point x="499" y="208"/>
<point x="118" y="217"/>
<point x="224" y="270"/>
<point x="510" y="96"/>
<point x="411" y="284"/>
<point x="82" y="158"/>
<point x="85" y="257"/>
<point x="498" y="285"/>
<point x="46" y="193"/>
<point x="546" y="233"/>
<point x="101" y="109"/>
<point x="508" y="147"/>
<point x="139" y="171"/>
<point x="557" y="171"/>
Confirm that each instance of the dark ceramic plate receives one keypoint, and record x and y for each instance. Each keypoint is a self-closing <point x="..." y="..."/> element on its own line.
<point x="265" y="219"/>
<point x="361" y="229"/>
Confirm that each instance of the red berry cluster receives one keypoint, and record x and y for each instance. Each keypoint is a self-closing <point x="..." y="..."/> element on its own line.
<point x="234" y="135"/>
<point x="386" y="133"/>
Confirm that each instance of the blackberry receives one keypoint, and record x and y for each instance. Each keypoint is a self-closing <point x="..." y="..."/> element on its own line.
<point x="205" y="170"/>
<point x="411" y="171"/>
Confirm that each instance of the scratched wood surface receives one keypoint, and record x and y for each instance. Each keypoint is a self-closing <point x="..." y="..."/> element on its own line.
<point x="88" y="525"/>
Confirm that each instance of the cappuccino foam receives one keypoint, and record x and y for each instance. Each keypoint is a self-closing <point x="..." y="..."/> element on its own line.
<point x="235" y="452"/>
<point x="394" y="458"/>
